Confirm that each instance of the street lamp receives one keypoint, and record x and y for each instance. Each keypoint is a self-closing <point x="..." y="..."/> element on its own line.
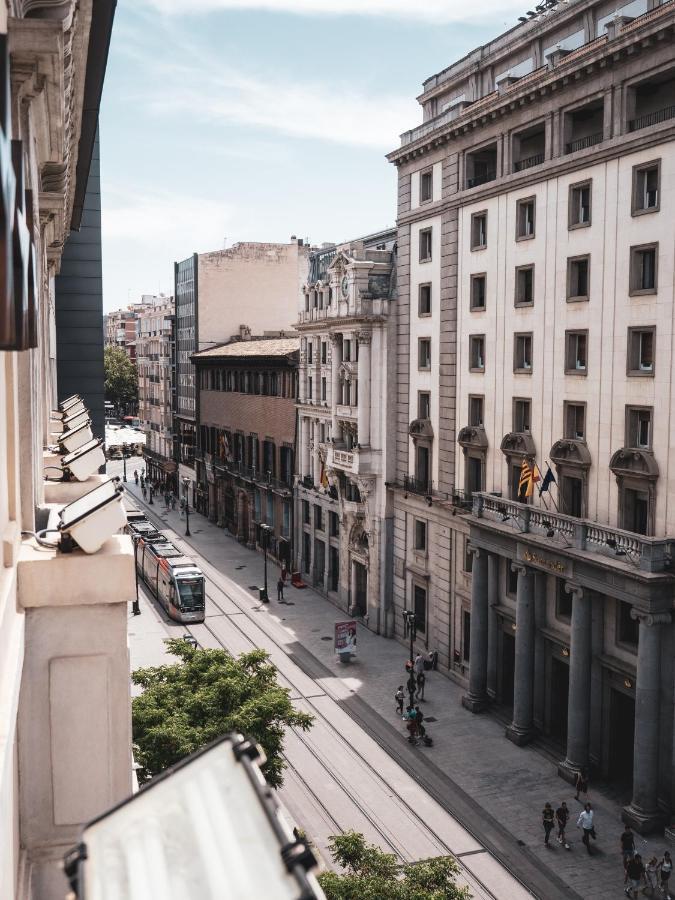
<point x="125" y="450"/>
<point x="186" y="482"/>
<point x="135" y="608"/>
<point x="410" y="627"/>
<point x="264" y="596"/>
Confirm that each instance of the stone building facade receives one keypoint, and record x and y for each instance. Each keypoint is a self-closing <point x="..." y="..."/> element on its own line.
<point x="245" y="457"/>
<point x="345" y="437"/>
<point x="155" y="350"/>
<point x="535" y="200"/>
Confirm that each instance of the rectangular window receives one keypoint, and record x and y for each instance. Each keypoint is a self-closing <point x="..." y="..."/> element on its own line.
<point x="270" y="508"/>
<point x="579" y="205"/>
<point x="576" y="343"/>
<point x="578" y="268"/>
<point x="346" y="349"/>
<point x="641" y="351"/>
<point x="423" y="405"/>
<point x="324" y="351"/>
<point x="522" y="353"/>
<point x="310" y="352"/>
<point x="575" y="421"/>
<point x="477" y="353"/>
<point x="318" y="518"/>
<point x="635" y="510"/>
<point x="524" y="286"/>
<point x="426" y="185"/>
<point x="563" y="601"/>
<point x="646" y="188"/>
<point x="323" y="388"/>
<point x="424" y="353"/>
<point x="420" y="535"/>
<point x="474" y="474"/>
<point x="286" y="524"/>
<point x="639" y="427"/>
<point x="423" y="467"/>
<point x="424" y="300"/>
<point x="479" y="231"/>
<point x="305" y="512"/>
<point x="309" y="388"/>
<point x="525" y="210"/>
<point x="643" y="269"/>
<point x="571" y="495"/>
<point x="257" y="505"/>
<point x="334" y="524"/>
<point x="466" y="635"/>
<point x="420" y="599"/>
<point x="477" y="292"/>
<point x="628" y="628"/>
<point x="511" y="576"/>
<point x="476" y="406"/>
<point x="468" y="556"/>
<point x="521" y="415"/>
<point x="425" y="245"/>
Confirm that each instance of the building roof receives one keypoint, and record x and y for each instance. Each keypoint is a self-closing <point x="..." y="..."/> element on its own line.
<point x="247" y="349"/>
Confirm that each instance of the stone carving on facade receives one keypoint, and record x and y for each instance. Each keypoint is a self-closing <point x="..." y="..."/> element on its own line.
<point x="421" y="428"/>
<point x="472" y="436"/>
<point x="634" y="463"/>
<point x="518" y="443"/>
<point x="571" y="452"/>
<point x="359" y="542"/>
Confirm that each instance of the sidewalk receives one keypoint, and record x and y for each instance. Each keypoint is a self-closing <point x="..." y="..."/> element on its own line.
<point x="494" y="788"/>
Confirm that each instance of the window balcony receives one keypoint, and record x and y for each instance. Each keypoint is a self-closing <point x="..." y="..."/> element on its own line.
<point x="414" y="485"/>
<point x="583" y="127"/>
<point x="529" y="147"/>
<point x="481" y="166"/>
<point x="651" y="101"/>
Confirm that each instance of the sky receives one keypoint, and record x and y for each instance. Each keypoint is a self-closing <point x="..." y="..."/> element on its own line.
<point x="253" y="120"/>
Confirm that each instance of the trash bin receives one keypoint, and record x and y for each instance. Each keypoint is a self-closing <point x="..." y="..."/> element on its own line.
<point x="263" y="596"/>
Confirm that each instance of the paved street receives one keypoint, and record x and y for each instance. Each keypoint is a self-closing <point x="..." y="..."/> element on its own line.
<point x="479" y="789"/>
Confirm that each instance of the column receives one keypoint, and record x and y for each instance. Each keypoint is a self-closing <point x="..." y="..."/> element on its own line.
<point x="476" y="699"/>
<point x="335" y="360"/>
<point x="493" y="632"/>
<point x="305" y="438"/>
<point x="579" y="702"/>
<point x="317" y="461"/>
<point x="643" y="814"/>
<point x="302" y="383"/>
<point x="363" y="420"/>
<point x="520" y="730"/>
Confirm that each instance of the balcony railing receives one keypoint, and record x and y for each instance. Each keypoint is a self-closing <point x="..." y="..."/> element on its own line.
<point x="582" y="143"/>
<point x="646" y="553"/>
<point x="481" y="179"/>
<point x="343" y="459"/>
<point x="417" y="485"/>
<point x="661" y="115"/>
<point x="528" y="162"/>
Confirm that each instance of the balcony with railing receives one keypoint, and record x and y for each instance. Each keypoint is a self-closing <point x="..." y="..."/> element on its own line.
<point x="651" y="102"/>
<point x="481" y="166"/>
<point x="583" y="127"/>
<point x="561" y="532"/>
<point x="528" y="148"/>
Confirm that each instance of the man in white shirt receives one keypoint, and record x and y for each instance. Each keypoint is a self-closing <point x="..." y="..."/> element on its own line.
<point x="585" y="822"/>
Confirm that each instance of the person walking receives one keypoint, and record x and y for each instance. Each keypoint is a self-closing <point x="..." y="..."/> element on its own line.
<point x="548" y="817"/>
<point x="136" y="476"/>
<point x="651" y="876"/>
<point x="421" y="679"/>
<point x="144" y="491"/>
<point x="635" y="874"/>
<point x="581" y="784"/>
<point x="173" y="502"/>
<point x="419" y="718"/>
<point x="418" y="665"/>
<point x="399" y="697"/>
<point x="142" y="481"/>
<point x="665" y="868"/>
<point x="562" y="815"/>
<point x="150" y="495"/>
<point x="585" y="822"/>
<point x="627" y="845"/>
<point x="280" y="590"/>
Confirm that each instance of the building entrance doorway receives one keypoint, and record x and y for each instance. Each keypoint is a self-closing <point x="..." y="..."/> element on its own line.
<point x="621" y="736"/>
<point x="242" y="534"/>
<point x="319" y="562"/>
<point x="360" y="588"/>
<point x="559" y="696"/>
<point x="508" y="666"/>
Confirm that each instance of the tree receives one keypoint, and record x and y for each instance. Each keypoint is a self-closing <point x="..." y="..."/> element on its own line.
<point x="121" y="378"/>
<point x="186" y="705"/>
<point x="372" y="874"/>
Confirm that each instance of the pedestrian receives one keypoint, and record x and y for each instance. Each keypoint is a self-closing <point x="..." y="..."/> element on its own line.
<point x="284" y="572"/>
<point x="627" y="845"/>
<point x="136" y="476"/>
<point x="581" y="784"/>
<point x="548" y="818"/>
<point x="280" y="590"/>
<point x="144" y="491"/>
<point x="150" y="495"/>
<point x="182" y="508"/>
<point x="562" y="815"/>
<point x="421" y="679"/>
<point x="585" y="822"/>
<point x="173" y="502"/>
<point x="167" y="500"/>
<point x="142" y="481"/>
<point x="418" y="665"/>
<point x="411" y="727"/>
<point x="399" y="697"/>
<point x="665" y="867"/>
<point x="419" y="718"/>
<point x="635" y="873"/>
<point x="651" y="876"/>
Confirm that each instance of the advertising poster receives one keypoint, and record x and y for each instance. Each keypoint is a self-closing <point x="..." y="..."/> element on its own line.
<point x="345" y="637"/>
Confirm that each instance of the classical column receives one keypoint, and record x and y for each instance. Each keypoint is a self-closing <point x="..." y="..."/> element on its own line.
<point x="302" y="385"/>
<point x="363" y="420"/>
<point x="317" y="459"/>
<point x="305" y="439"/>
<point x="579" y="702"/>
<point x="476" y="699"/>
<point x="493" y="624"/>
<point x="643" y="813"/>
<point x="520" y="730"/>
<point x="335" y="354"/>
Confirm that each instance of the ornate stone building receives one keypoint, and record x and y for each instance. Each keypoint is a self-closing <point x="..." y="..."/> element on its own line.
<point x="343" y="515"/>
<point x="536" y="242"/>
<point x="246" y="439"/>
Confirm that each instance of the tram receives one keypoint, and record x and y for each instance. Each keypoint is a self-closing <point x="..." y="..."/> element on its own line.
<point x="175" y="580"/>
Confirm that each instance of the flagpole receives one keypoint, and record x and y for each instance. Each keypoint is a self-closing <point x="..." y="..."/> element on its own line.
<point x="557" y="508"/>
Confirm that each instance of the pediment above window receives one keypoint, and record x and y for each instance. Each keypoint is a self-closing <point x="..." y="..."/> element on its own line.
<point x="631" y="461"/>
<point x="569" y="452"/>
<point x="518" y="443"/>
<point x="473" y="436"/>
<point x="421" y="428"/>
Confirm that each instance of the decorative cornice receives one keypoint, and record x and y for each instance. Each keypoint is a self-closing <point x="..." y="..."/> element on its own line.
<point x="650" y="619"/>
<point x="473" y="436"/>
<point x="421" y="428"/>
<point x="569" y="452"/>
<point x="518" y="443"/>
<point x="634" y="462"/>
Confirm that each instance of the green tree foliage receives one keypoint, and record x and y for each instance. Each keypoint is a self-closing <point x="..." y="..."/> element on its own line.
<point x="121" y="378"/>
<point x="371" y="874"/>
<point x="209" y="693"/>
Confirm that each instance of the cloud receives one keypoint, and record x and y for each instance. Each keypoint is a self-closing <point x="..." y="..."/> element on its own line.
<point x="438" y="11"/>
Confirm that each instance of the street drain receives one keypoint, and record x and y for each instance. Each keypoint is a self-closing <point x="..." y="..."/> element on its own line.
<point x="326" y="638"/>
<point x="237" y="568"/>
<point x="430" y="719"/>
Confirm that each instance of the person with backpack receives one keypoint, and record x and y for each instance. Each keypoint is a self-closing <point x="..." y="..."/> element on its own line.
<point x="399" y="697"/>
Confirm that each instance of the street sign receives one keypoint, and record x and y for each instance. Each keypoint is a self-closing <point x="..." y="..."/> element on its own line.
<point x="345" y="637"/>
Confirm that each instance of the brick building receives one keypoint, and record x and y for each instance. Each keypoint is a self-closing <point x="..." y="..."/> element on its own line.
<point x="246" y="394"/>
